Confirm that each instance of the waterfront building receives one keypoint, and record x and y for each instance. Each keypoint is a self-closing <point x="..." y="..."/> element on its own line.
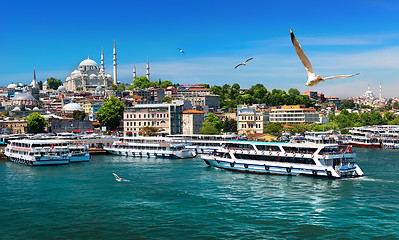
<point x="13" y="126"/>
<point x="251" y="121"/>
<point x="192" y="121"/>
<point x="211" y="101"/>
<point x="70" y="125"/>
<point x="294" y="114"/>
<point x="166" y="117"/>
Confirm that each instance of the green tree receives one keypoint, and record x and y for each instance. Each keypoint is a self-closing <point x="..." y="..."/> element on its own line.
<point x="274" y="128"/>
<point x="114" y="87"/>
<point x="36" y="123"/>
<point x="78" y="115"/>
<point x="141" y="82"/>
<point x="395" y="105"/>
<point x="165" y="84"/>
<point x="388" y="116"/>
<point x="230" y="125"/>
<point x="121" y="88"/>
<point x="53" y="83"/>
<point x="130" y="87"/>
<point x="211" y="125"/>
<point x="167" y="99"/>
<point x="110" y="114"/>
<point x="5" y="113"/>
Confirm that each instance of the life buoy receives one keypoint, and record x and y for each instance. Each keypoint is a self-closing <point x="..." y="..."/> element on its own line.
<point x="246" y="165"/>
<point x="270" y="152"/>
<point x="263" y="152"/>
<point x="312" y="155"/>
<point x="288" y="170"/>
<point x="314" y="172"/>
<point x="324" y="156"/>
<point x="303" y="155"/>
<point x="267" y="168"/>
<point x="294" y="154"/>
<point x="285" y="154"/>
<point x="231" y="164"/>
<point x="278" y="153"/>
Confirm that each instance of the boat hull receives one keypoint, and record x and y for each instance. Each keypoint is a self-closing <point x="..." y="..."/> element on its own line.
<point x="281" y="168"/>
<point x="152" y="154"/>
<point x="79" y="157"/>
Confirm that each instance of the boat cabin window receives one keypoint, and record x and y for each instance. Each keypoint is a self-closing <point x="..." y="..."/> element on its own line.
<point x="268" y="148"/>
<point x="275" y="158"/>
<point x="304" y="150"/>
<point x="240" y="146"/>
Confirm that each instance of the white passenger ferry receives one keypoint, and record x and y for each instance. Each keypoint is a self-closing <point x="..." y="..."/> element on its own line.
<point x="79" y="153"/>
<point x="38" y="152"/>
<point x="150" y="147"/>
<point x="204" y="143"/>
<point x="325" y="160"/>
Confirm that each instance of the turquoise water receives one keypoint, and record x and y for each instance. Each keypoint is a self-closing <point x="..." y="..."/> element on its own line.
<point x="185" y="199"/>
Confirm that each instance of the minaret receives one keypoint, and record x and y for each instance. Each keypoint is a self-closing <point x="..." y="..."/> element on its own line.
<point x="134" y="71"/>
<point x="115" y="74"/>
<point x="34" y="83"/>
<point x="148" y="70"/>
<point x="102" y="60"/>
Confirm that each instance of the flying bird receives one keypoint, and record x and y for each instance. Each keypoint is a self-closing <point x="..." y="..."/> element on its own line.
<point x="180" y="50"/>
<point x="244" y="63"/>
<point x="312" y="78"/>
<point x="119" y="179"/>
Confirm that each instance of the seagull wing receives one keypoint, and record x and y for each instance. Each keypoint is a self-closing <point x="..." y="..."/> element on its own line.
<point x="340" y="76"/>
<point x="249" y="59"/>
<point x="302" y="56"/>
<point x="116" y="177"/>
<point x="238" y="65"/>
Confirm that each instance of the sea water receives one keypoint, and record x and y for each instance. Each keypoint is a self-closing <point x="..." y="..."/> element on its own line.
<point x="186" y="199"/>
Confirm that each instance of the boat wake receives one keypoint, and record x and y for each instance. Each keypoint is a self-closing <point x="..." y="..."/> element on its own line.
<point x="119" y="179"/>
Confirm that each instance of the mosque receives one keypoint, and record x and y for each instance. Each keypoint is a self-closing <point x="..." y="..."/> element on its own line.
<point x="89" y="76"/>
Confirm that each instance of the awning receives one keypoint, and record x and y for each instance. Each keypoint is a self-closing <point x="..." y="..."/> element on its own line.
<point x="75" y="131"/>
<point x="89" y="131"/>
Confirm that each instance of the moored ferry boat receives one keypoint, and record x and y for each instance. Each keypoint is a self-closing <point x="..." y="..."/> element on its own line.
<point x="204" y="143"/>
<point x="38" y="152"/>
<point x="324" y="160"/>
<point x="150" y="147"/>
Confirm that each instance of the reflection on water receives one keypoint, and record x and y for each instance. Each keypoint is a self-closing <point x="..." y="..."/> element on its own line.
<point x="184" y="198"/>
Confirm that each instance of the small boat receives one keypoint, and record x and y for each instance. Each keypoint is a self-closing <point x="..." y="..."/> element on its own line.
<point x="79" y="153"/>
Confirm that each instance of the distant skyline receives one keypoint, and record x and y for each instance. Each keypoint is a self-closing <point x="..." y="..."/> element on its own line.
<point x="339" y="37"/>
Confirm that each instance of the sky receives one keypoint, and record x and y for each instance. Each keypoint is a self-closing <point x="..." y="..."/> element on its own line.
<point x="339" y="37"/>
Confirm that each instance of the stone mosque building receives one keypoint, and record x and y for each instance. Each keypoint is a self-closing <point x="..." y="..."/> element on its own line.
<point x="88" y="76"/>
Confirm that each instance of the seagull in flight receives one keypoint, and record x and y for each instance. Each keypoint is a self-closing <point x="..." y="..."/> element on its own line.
<point x="312" y="78"/>
<point x="180" y="50"/>
<point x="119" y="179"/>
<point x="244" y="63"/>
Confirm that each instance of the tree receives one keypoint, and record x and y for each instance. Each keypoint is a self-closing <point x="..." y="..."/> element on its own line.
<point x="130" y="87"/>
<point x="274" y="128"/>
<point x="211" y="125"/>
<point x="141" y="82"/>
<point x="149" y="131"/>
<point x="78" y="115"/>
<point x="395" y="105"/>
<point x="230" y="125"/>
<point x="121" y="88"/>
<point x="110" y="114"/>
<point x="36" y="123"/>
<point x="114" y="87"/>
<point x="167" y="99"/>
<point x="53" y="83"/>
<point x="165" y="84"/>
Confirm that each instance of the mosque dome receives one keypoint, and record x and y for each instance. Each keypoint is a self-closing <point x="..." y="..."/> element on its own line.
<point x="99" y="88"/>
<point x="23" y="97"/>
<point x="12" y="86"/>
<point x="93" y="76"/>
<point x="88" y="62"/>
<point x="61" y="89"/>
<point x="16" y="109"/>
<point x="36" y="109"/>
<point x="72" y="107"/>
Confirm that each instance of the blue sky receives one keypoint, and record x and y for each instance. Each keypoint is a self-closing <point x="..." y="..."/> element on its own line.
<point x="339" y="37"/>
